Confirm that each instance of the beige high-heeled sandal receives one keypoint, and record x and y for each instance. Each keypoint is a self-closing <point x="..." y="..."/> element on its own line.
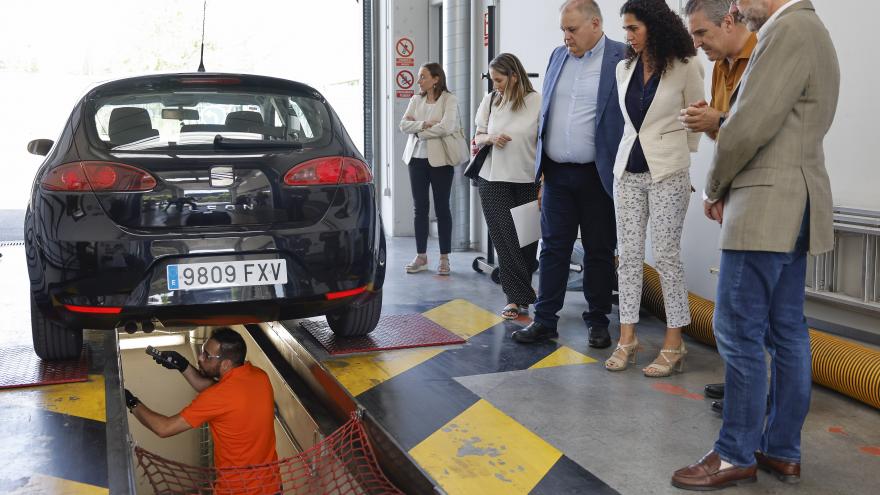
<point x="623" y="356"/>
<point x="418" y="264"/>
<point x="663" y="366"/>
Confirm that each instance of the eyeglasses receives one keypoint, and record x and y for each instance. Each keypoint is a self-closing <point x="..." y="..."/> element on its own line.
<point x="204" y="354"/>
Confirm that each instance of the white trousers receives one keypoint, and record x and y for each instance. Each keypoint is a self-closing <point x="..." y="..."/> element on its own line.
<point x="639" y="200"/>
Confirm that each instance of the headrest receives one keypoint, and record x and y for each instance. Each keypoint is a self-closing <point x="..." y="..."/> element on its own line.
<point x="130" y="124"/>
<point x="244" y="121"/>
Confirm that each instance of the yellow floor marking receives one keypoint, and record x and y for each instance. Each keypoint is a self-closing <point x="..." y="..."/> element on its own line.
<point x="564" y="356"/>
<point x="40" y="483"/>
<point x="81" y="399"/>
<point x="463" y="318"/>
<point x="361" y="373"/>
<point x="485" y="451"/>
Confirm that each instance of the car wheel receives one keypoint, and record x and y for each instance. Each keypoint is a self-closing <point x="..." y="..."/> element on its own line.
<point x="52" y="340"/>
<point x="357" y="319"/>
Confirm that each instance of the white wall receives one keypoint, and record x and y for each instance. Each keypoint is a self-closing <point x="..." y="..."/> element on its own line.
<point x="531" y="32"/>
<point x="409" y="19"/>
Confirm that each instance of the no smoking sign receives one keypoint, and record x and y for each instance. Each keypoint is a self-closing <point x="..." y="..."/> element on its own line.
<point x="405" y="79"/>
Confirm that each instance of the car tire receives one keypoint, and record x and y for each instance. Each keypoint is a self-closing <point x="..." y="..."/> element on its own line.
<point x="52" y="340"/>
<point x="358" y="319"/>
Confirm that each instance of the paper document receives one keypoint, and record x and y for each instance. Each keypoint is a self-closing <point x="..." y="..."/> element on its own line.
<point x="527" y="221"/>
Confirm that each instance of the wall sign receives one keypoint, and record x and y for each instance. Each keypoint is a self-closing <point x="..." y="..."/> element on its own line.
<point x="405" y="80"/>
<point x="405" y="48"/>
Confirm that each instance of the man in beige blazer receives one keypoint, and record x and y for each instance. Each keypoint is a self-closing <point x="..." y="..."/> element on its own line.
<point x="769" y="189"/>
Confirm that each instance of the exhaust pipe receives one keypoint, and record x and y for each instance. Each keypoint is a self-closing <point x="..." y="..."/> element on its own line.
<point x="131" y="326"/>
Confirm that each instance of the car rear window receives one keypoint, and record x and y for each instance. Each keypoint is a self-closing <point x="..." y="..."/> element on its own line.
<point x="192" y="118"/>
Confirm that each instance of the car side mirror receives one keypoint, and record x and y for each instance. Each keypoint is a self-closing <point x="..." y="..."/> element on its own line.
<point x="40" y="146"/>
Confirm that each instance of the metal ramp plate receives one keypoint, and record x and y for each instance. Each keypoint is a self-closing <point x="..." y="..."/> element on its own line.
<point x="392" y="332"/>
<point x="20" y="367"/>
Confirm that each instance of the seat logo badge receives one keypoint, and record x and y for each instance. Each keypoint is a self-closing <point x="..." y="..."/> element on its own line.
<point x="222" y="176"/>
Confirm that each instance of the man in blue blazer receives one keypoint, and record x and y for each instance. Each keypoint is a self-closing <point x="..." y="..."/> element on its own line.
<point x="580" y="129"/>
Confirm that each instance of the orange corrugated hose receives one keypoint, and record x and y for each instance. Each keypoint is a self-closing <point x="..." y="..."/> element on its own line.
<point x="840" y="365"/>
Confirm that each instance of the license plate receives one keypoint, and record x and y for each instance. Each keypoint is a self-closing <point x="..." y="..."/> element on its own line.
<point x="226" y="274"/>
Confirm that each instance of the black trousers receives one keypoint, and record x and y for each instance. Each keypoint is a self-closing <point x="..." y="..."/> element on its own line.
<point x="574" y="197"/>
<point x="515" y="263"/>
<point x="423" y="176"/>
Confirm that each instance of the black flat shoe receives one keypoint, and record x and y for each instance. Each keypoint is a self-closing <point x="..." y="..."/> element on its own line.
<point x="599" y="337"/>
<point x="535" y="332"/>
<point x="714" y="391"/>
<point x="718" y="406"/>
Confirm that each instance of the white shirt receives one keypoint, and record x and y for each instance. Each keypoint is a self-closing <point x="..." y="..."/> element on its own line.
<point x="515" y="162"/>
<point x="421" y="149"/>
<point x="772" y="19"/>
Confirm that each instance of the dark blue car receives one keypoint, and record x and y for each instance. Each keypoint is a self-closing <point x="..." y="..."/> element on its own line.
<point x="200" y="199"/>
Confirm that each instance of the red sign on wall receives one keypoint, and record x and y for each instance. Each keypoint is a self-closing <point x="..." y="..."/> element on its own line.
<point x="486" y="29"/>
<point x="405" y="79"/>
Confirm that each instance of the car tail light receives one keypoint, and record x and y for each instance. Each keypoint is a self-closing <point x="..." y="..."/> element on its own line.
<point x="329" y="171"/>
<point x="97" y="176"/>
<point x="331" y="296"/>
<point x="96" y="310"/>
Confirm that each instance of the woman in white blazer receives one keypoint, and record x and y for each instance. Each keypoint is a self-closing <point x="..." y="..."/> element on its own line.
<point x="658" y="78"/>
<point x="431" y="114"/>
<point x="507" y="120"/>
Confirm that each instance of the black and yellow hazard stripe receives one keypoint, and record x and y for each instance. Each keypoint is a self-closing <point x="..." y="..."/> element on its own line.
<point x="464" y="442"/>
<point x="55" y="437"/>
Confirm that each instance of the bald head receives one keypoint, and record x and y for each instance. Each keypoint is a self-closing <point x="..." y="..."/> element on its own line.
<point x="581" y="26"/>
<point x="587" y="8"/>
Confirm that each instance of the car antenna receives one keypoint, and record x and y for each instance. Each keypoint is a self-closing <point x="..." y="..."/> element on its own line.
<point x="202" y="56"/>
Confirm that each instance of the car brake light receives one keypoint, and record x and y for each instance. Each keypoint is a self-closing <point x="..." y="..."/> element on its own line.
<point x="346" y="293"/>
<point x="328" y="171"/>
<point x="97" y="176"/>
<point x="210" y="80"/>
<point x="98" y="310"/>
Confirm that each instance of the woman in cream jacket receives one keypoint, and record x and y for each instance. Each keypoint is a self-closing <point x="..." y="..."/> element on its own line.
<point x="658" y="78"/>
<point x="431" y="114"/>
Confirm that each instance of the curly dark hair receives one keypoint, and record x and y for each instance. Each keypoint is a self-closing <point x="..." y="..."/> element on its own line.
<point x="668" y="39"/>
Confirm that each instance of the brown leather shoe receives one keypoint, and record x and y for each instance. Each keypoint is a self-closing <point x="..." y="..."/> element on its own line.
<point x="707" y="475"/>
<point x="786" y="472"/>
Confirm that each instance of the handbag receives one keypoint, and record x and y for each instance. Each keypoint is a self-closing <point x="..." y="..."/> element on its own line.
<point x="455" y="147"/>
<point x="472" y="171"/>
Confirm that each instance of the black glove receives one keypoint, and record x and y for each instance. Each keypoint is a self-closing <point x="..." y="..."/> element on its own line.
<point x="172" y="360"/>
<point x="130" y="400"/>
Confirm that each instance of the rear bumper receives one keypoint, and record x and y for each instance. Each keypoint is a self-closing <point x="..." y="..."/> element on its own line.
<point x="229" y="313"/>
<point x="131" y="275"/>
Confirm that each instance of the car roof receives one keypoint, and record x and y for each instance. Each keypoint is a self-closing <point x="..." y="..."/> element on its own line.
<point x="196" y="80"/>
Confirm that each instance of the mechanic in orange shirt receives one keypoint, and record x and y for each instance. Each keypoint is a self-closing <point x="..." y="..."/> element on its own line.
<point x="236" y="400"/>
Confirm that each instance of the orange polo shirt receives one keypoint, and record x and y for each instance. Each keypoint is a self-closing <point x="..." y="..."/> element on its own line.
<point x="726" y="76"/>
<point x="240" y="410"/>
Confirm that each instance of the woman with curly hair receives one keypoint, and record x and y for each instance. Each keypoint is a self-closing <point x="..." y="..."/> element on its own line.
<point x="652" y="184"/>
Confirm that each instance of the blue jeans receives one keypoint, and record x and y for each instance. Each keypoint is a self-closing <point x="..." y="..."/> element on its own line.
<point x="760" y="306"/>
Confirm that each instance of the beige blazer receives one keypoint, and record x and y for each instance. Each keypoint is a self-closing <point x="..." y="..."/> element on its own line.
<point x="769" y="157"/>
<point x="445" y="110"/>
<point x="665" y="141"/>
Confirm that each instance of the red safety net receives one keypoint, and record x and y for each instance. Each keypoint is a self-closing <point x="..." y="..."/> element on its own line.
<point x="343" y="463"/>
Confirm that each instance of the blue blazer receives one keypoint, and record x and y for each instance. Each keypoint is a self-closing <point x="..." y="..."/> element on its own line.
<point x="609" y="119"/>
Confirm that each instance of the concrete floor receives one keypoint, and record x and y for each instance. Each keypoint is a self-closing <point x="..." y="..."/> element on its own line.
<point x="630" y="431"/>
<point x="625" y="431"/>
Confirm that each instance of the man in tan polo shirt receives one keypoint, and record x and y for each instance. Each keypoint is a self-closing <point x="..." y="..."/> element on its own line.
<point x="727" y="41"/>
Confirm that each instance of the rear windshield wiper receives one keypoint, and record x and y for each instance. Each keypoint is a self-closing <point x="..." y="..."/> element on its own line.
<point x="230" y="143"/>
